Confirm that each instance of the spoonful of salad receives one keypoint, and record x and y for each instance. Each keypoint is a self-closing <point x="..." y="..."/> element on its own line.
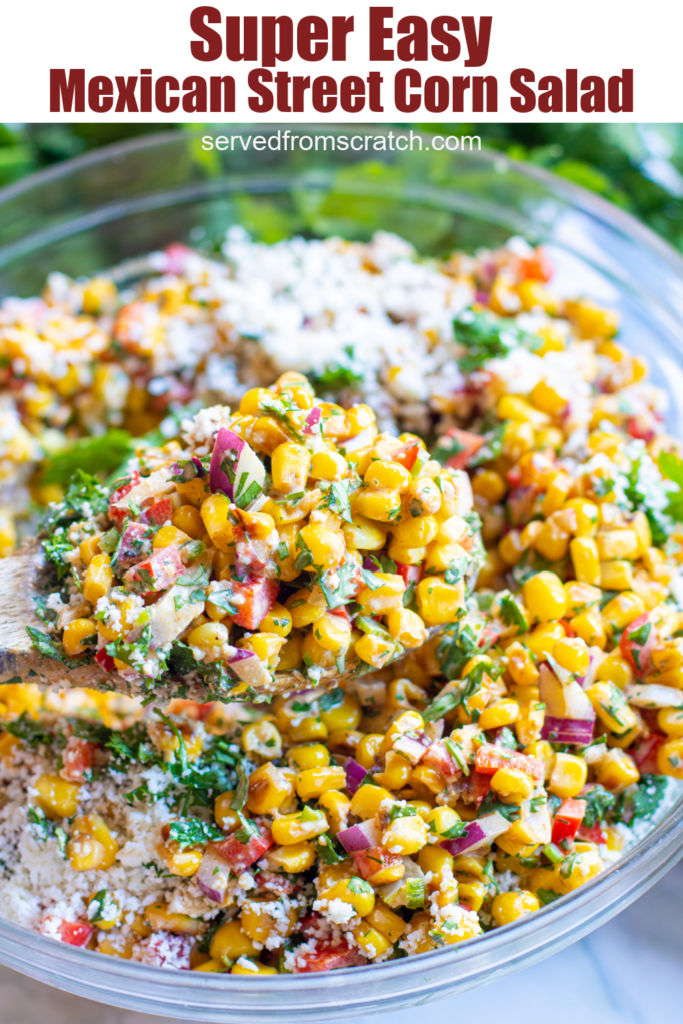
<point x="283" y="546"/>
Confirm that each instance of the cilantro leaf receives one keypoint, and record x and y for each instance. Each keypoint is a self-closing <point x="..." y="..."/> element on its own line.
<point x="486" y="337"/>
<point x="49" y="648"/>
<point x="511" y="613"/>
<point x="102" y="453"/>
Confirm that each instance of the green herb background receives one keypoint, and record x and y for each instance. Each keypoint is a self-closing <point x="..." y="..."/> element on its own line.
<point x="637" y="166"/>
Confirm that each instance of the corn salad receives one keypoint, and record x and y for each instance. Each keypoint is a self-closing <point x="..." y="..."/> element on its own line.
<point x="288" y="537"/>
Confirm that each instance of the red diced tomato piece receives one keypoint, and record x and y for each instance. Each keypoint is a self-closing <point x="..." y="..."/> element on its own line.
<point x="255" y="597"/>
<point x="567" y="820"/>
<point x="327" y="958"/>
<point x="79" y="757"/>
<point x="537" y="266"/>
<point x="105" y="661"/>
<point x="240" y="856"/>
<point x="310" y="923"/>
<point x="594" y="834"/>
<point x="117" y="512"/>
<point x="76" y="933"/>
<point x="156" y="573"/>
<point x="159" y="512"/>
<point x="469" y="444"/>
<point x="489" y="759"/>
<point x="407" y="455"/>
<point x="371" y="862"/>
<point x="408" y="573"/>
<point x="438" y="756"/>
<point x="645" y="754"/>
<point x="637" y="642"/>
<point x="642" y="427"/>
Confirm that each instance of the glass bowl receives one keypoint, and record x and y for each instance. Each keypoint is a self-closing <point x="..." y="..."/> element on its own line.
<point x="108" y="207"/>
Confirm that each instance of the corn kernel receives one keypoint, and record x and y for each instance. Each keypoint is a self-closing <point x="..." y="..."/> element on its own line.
<point x="618" y="769"/>
<point x="568" y="776"/>
<point x="57" y="797"/>
<point x="502" y="712"/>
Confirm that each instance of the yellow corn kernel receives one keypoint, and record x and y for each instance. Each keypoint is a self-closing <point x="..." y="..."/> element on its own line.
<point x="396" y="772"/>
<point x="332" y="632"/>
<point x="326" y="546"/>
<point x="369" y="749"/>
<point x="511" y="906"/>
<point x="214" y="513"/>
<point x="85" y="853"/>
<point x="255" y="967"/>
<point x="188" y="520"/>
<point x="424" y="497"/>
<point x="303" y="612"/>
<point x="530" y="721"/>
<point x="386" y="922"/>
<point x="375" y="650"/>
<point x="290" y="467"/>
<point x="584" y="556"/>
<point x="262" y="738"/>
<point x="510" y="547"/>
<point x="622" y="610"/>
<point x="512" y="785"/>
<point x="268" y="789"/>
<point x="76" y="631"/>
<point x="528" y="536"/>
<point x="257" y="923"/>
<point x="95" y="826"/>
<point x="576" y="871"/>
<point x="278" y="621"/>
<point x="521" y="665"/>
<point x="670" y="721"/>
<point x="57" y="797"/>
<point x="328" y="466"/>
<point x="513" y="407"/>
<point x="441" y="819"/>
<point x="551" y="541"/>
<point x="381" y="475"/>
<point x="169" y="535"/>
<point x="541" y="640"/>
<point x="502" y="712"/>
<point x="568" y="776"/>
<point x="337" y="807"/>
<point x="364" y="534"/>
<point x="545" y="597"/>
<point x="590" y="628"/>
<point x="98" y="578"/>
<point x="313" y="782"/>
<point x="615" y="669"/>
<point x="230" y="941"/>
<point x="346" y="715"/>
<point x="226" y="818"/>
<point x="592" y="321"/>
<point x="409" y="721"/>
<point x="439" y="602"/>
<point x="382" y="506"/>
<point x="384" y="598"/>
<point x="250" y="403"/>
<point x="489" y="485"/>
<point x="621" y="543"/>
<point x="292" y="859"/>
<point x="180" y="861"/>
<point x="89" y="548"/>
<point x="406" y="627"/>
<point x="542" y="751"/>
<point x="572" y="653"/>
<point x="210" y="638"/>
<point x="581" y="597"/>
<point x="315" y="654"/>
<point x="354" y="891"/>
<point x="289" y="829"/>
<point x="611" y="707"/>
<point x="415" y="532"/>
<point x="309" y="755"/>
<point x="266" y="647"/>
<point x="371" y="942"/>
<point x="366" y="801"/>
<point x="670" y="758"/>
<point x="616" y="575"/>
<point x="425" y="778"/>
<point x="618" y="769"/>
<point x="405" y="835"/>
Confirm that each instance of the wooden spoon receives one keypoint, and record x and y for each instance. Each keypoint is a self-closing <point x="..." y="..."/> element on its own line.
<point x="23" y="577"/>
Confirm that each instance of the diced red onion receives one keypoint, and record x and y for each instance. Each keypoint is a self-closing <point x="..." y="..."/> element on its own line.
<point x="355" y="773"/>
<point x="199" y="466"/>
<point x="239" y="655"/>
<point x="477" y="833"/>
<point x="226" y="442"/>
<point x="413" y="748"/>
<point x="568" y="730"/>
<point x="212" y="877"/>
<point x="359" y="837"/>
<point x="312" y="420"/>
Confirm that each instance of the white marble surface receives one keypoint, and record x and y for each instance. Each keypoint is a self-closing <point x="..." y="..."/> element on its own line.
<point x="628" y="972"/>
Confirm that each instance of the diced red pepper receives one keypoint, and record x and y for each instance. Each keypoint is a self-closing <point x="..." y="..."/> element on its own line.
<point x="105" y="660"/>
<point x="255" y="597"/>
<point x="408" y="573"/>
<point x="594" y="834"/>
<point x="569" y="630"/>
<point x="76" y="933"/>
<point x="642" y="427"/>
<point x="489" y="759"/>
<point x="136" y="542"/>
<point x="341" y="612"/>
<point x="491" y="632"/>
<point x="190" y="708"/>
<point x="117" y="512"/>
<point x="637" y="642"/>
<point x="567" y="820"/>
<point x="538" y="266"/>
<point x="645" y="754"/>
<point x="438" y="756"/>
<point x="469" y="445"/>
<point x="479" y="786"/>
<point x="370" y="862"/>
<point x="156" y="573"/>
<point x="407" y="455"/>
<point x="240" y="856"/>
<point x="79" y="757"/>
<point x="159" y="512"/>
<point x="327" y="958"/>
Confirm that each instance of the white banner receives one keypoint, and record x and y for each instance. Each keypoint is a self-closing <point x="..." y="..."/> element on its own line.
<point x="180" y="61"/>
